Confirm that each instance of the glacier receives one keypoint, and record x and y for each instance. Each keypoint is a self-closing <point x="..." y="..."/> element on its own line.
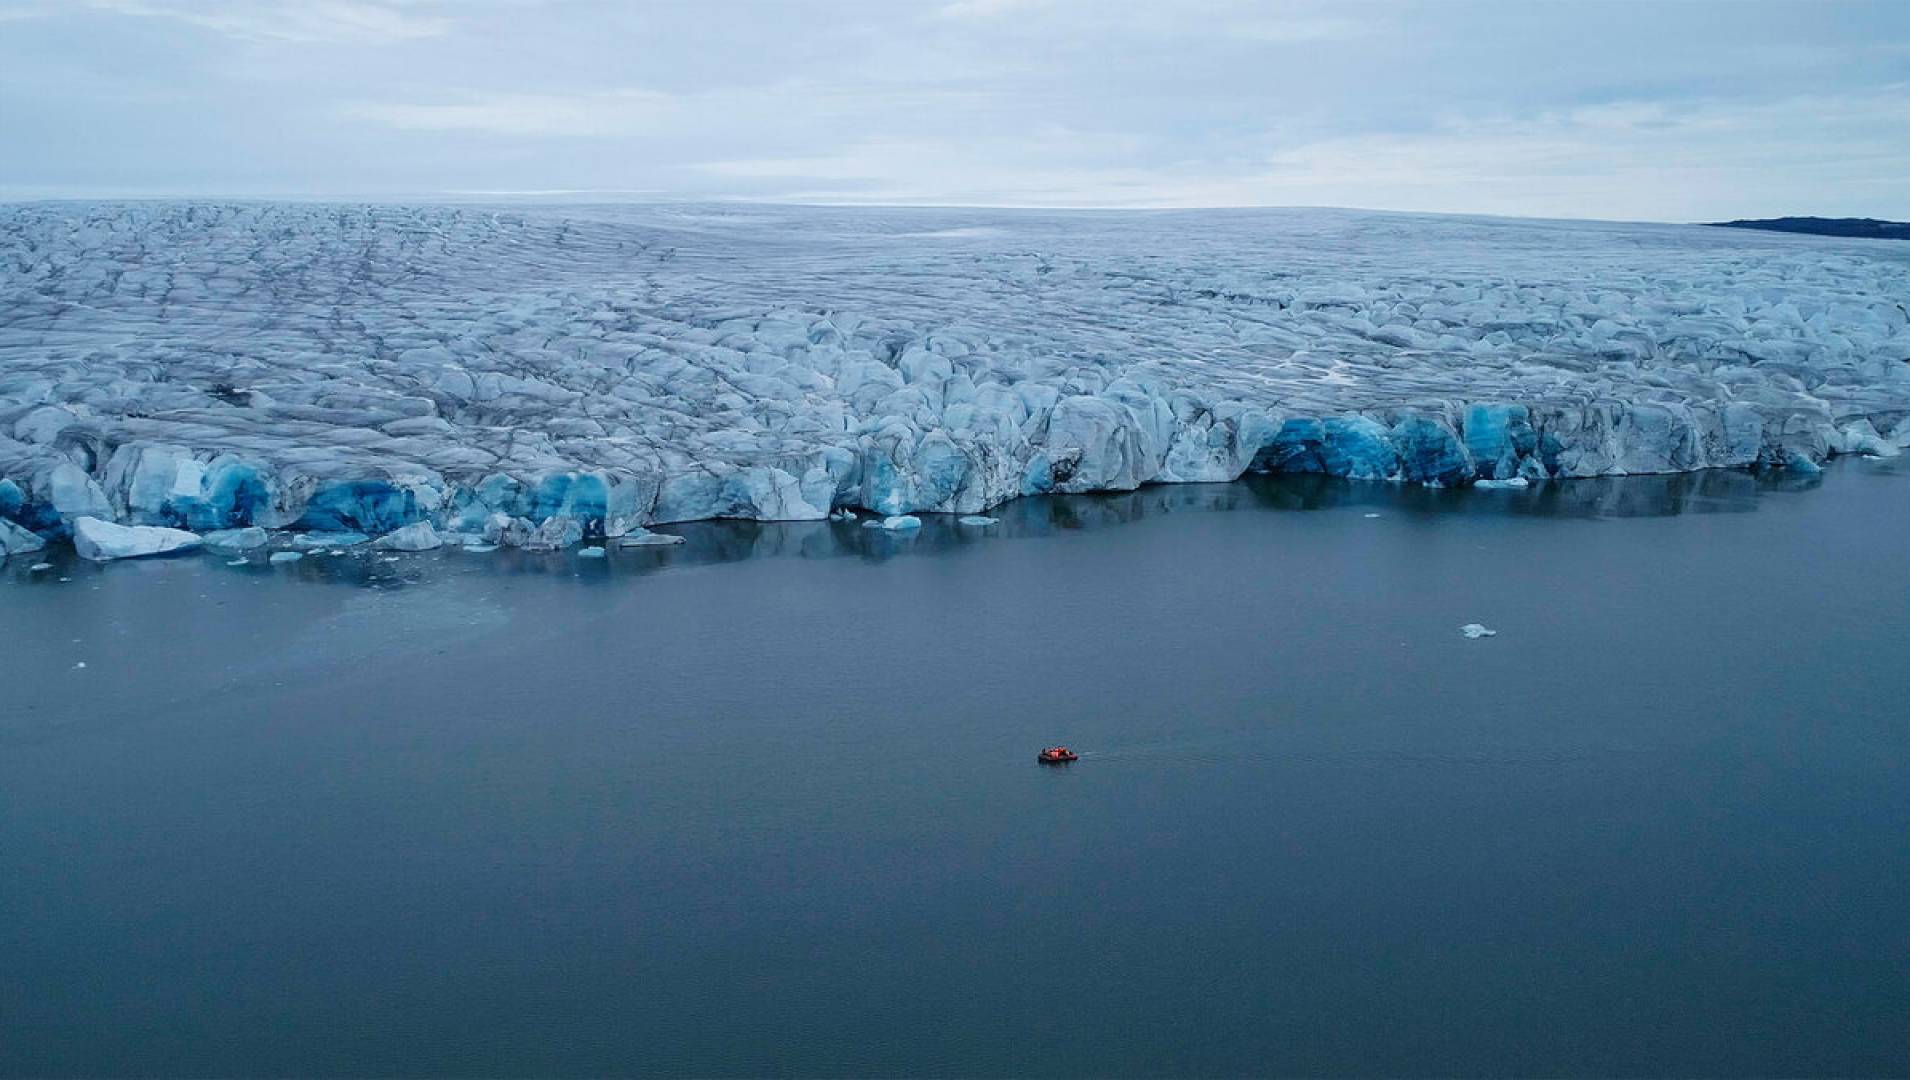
<point x="547" y="376"/>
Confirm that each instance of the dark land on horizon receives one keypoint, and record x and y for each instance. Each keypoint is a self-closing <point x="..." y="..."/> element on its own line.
<point x="1870" y="228"/>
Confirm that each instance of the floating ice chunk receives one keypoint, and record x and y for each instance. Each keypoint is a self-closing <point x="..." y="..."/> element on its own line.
<point x="1496" y="485"/>
<point x="17" y="541"/>
<point x="590" y="553"/>
<point x="103" y="541"/>
<point x="978" y="519"/>
<point x="894" y="522"/>
<point x="646" y="538"/>
<point x="1475" y="631"/>
<point x="480" y="549"/>
<point x="237" y="539"/>
<point x="286" y="556"/>
<point x="1372" y="515"/>
<point x="419" y="536"/>
<point x="844" y="514"/>
<point x="329" y="539"/>
<point x="39" y="566"/>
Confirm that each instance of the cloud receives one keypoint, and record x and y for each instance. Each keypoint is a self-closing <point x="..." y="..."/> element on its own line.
<point x="1507" y="107"/>
<point x="1299" y="29"/>
<point x="304" y="21"/>
<point x="1262" y="21"/>
<point x="1806" y="154"/>
<point x="982" y="9"/>
<point x="602" y="114"/>
<point x="1631" y="160"/>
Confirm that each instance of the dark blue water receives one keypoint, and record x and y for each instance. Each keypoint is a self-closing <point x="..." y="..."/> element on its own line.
<point x="767" y="803"/>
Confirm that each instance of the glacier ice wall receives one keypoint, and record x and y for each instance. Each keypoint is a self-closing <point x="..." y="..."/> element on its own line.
<point x="544" y="373"/>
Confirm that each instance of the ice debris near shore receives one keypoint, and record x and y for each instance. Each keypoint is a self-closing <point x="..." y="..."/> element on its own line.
<point x="894" y="523"/>
<point x="103" y="541"/>
<point x="17" y="541"/>
<point x="646" y="538"/>
<point x="237" y="539"/>
<point x="1476" y="631"/>
<point x="417" y="536"/>
<point x="538" y="377"/>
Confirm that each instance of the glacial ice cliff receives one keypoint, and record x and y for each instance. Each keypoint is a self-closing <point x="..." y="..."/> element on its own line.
<point x="538" y="376"/>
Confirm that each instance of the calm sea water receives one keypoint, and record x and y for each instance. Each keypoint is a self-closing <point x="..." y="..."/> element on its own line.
<point x="767" y="803"/>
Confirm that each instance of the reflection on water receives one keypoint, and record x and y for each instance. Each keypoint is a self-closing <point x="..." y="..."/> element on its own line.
<point x="546" y="814"/>
<point x="711" y="542"/>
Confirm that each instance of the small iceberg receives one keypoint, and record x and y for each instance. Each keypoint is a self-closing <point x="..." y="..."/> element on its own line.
<point x="286" y="556"/>
<point x="419" y="536"/>
<point x="646" y="538"/>
<point x="103" y="541"/>
<point x="236" y="539"/>
<point x="1498" y="485"/>
<point x="17" y="541"/>
<point x="1475" y="631"/>
<point x="329" y="539"/>
<point x="480" y="549"/>
<point x="978" y="519"/>
<point x="895" y="523"/>
<point x="591" y="553"/>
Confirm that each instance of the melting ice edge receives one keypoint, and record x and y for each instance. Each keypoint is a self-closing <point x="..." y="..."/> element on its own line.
<point x="540" y="375"/>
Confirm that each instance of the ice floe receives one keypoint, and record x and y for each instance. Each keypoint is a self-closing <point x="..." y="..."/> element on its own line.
<point x="15" y="540"/>
<point x="417" y="536"/>
<point x="104" y="541"/>
<point x="646" y="538"/>
<point x="894" y="523"/>
<point x="244" y="539"/>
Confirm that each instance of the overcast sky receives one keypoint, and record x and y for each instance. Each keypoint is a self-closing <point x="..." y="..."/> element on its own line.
<point x="1657" y="111"/>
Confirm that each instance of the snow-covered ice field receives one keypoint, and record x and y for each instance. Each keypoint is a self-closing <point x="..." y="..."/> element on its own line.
<point x="537" y="375"/>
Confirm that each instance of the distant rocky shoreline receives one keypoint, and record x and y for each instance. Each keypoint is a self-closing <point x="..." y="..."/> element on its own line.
<point x="1864" y="228"/>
